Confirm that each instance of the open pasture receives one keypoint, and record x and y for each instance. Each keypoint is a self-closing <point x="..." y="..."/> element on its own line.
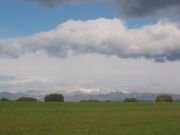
<point x="18" y="118"/>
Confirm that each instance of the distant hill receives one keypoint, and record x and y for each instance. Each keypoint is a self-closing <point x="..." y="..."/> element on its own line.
<point x="117" y="96"/>
<point x="14" y="96"/>
<point x="87" y="94"/>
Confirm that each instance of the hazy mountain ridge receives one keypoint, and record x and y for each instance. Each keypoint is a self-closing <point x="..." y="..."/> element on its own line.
<point x="86" y="94"/>
<point x="13" y="96"/>
<point x="117" y="96"/>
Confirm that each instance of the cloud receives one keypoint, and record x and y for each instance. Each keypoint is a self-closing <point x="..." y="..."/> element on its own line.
<point x="26" y="82"/>
<point x="54" y="3"/>
<point x="130" y="8"/>
<point x="9" y="49"/>
<point x="142" y="8"/>
<point x="7" y="78"/>
<point x="110" y="37"/>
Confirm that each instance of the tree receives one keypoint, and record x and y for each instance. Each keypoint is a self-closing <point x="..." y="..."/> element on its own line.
<point x="54" y="98"/>
<point x="130" y="100"/>
<point x="4" y="99"/>
<point x="27" y="99"/>
<point x="164" y="98"/>
<point x="108" y="101"/>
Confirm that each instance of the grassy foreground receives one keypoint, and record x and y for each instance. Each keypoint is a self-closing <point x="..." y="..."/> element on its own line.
<point x="89" y="118"/>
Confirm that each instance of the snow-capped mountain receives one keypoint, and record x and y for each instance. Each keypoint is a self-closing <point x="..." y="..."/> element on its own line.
<point x="97" y="91"/>
<point x="111" y="94"/>
<point x="101" y="94"/>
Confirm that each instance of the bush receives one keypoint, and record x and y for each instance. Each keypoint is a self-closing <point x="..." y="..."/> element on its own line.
<point x="130" y="100"/>
<point x="108" y="101"/>
<point x="90" y="100"/>
<point x="4" y="99"/>
<point x="164" y="98"/>
<point x="54" y="98"/>
<point x="27" y="99"/>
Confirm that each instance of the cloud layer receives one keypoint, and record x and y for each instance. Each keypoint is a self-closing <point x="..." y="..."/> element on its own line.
<point x="159" y="42"/>
<point x="131" y="8"/>
<point x="54" y="3"/>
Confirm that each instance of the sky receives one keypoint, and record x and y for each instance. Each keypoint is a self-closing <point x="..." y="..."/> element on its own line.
<point x="67" y="45"/>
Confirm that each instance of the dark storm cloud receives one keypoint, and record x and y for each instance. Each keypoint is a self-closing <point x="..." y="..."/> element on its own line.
<point x="54" y="3"/>
<point x="141" y="8"/>
<point x="131" y="8"/>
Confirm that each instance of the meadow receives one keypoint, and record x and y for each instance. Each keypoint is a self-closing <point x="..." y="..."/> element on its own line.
<point x="18" y="118"/>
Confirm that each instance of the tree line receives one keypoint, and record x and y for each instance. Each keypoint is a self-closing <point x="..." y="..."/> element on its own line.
<point x="159" y="98"/>
<point x="60" y="98"/>
<point x="48" y="98"/>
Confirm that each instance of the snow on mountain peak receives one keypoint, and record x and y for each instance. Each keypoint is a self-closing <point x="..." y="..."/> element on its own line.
<point x="99" y="90"/>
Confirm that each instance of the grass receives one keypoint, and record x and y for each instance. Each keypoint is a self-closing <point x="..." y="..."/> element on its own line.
<point x="89" y="118"/>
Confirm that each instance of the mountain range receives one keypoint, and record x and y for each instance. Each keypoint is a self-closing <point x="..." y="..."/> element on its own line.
<point x="101" y="94"/>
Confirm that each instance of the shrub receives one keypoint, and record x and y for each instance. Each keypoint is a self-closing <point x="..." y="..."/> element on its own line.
<point x="4" y="99"/>
<point x="54" y="98"/>
<point x="90" y="100"/>
<point x="164" y="98"/>
<point x="27" y="99"/>
<point x="130" y="100"/>
<point x="108" y="101"/>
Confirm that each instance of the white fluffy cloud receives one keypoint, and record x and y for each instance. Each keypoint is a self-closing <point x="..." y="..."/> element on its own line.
<point x="159" y="42"/>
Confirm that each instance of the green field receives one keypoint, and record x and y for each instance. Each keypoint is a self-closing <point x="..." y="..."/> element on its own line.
<point x="89" y="118"/>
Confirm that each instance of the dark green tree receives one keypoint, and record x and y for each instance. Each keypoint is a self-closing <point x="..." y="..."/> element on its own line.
<point x="130" y="100"/>
<point x="54" y="98"/>
<point x="4" y="99"/>
<point x="27" y="99"/>
<point x="164" y="98"/>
